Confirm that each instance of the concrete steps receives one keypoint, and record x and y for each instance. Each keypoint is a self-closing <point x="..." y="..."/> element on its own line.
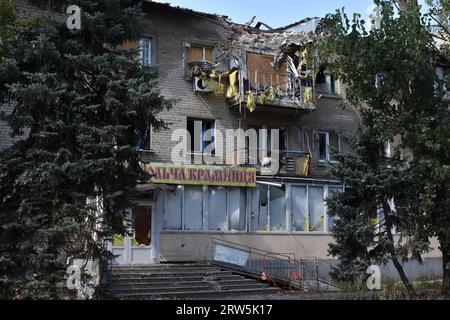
<point x="180" y="281"/>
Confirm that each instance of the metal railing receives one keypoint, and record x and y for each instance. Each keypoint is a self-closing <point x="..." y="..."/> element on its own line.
<point x="282" y="269"/>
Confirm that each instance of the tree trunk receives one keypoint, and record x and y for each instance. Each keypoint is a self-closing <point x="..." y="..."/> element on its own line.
<point x="397" y="264"/>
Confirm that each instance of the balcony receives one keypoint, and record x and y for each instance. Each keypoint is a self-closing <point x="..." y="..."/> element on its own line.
<point x="276" y="90"/>
<point x="292" y="163"/>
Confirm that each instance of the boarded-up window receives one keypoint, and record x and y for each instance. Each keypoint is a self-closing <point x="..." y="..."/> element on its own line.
<point x="199" y="53"/>
<point x="262" y="73"/>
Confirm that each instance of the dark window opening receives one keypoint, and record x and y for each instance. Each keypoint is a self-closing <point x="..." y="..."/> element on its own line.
<point x="204" y="137"/>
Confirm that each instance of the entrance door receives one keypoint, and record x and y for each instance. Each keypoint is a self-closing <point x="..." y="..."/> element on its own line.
<point x="136" y="248"/>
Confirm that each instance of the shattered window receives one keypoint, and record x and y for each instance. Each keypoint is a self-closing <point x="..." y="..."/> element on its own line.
<point x="237" y="199"/>
<point x="316" y="208"/>
<point x="277" y="209"/>
<point x="218" y="208"/>
<point x="193" y="208"/>
<point x="172" y="209"/>
<point x="323" y="146"/>
<point x="299" y="208"/>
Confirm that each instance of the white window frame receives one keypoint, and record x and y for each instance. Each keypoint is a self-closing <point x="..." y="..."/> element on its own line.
<point x="150" y="50"/>
<point x="327" y="146"/>
<point x="205" y="214"/>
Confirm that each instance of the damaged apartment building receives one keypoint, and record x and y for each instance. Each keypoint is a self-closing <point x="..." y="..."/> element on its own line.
<point x="228" y="76"/>
<point x="224" y="76"/>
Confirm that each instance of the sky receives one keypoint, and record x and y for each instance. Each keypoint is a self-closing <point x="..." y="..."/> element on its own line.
<point x="275" y="13"/>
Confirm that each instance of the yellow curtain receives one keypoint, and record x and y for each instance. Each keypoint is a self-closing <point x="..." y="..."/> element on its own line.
<point x="251" y="105"/>
<point x="232" y="90"/>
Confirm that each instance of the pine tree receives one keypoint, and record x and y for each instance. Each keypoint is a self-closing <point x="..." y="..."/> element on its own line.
<point x="76" y="99"/>
<point x="390" y="73"/>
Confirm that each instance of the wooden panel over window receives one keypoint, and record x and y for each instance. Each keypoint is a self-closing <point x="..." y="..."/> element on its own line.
<point x="199" y="53"/>
<point x="261" y="71"/>
<point x="130" y="44"/>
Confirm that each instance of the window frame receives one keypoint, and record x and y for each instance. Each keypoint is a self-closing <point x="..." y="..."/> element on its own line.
<point x="150" y="51"/>
<point x="206" y="212"/>
<point x="203" y="121"/>
<point x="328" y="146"/>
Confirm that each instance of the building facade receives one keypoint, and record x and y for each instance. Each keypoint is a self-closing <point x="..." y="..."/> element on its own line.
<point x="282" y="211"/>
<point x="270" y="194"/>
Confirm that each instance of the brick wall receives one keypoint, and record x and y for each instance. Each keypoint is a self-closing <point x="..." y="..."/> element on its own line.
<point x="170" y="32"/>
<point x="171" y="29"/>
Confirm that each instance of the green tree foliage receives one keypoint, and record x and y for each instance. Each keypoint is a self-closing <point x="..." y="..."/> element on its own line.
<point x="76" y="99"/>
<point x="390" y="73"/>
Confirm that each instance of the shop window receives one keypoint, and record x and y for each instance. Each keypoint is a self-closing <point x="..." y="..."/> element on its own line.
<point x="265" y="199"/>
<point x="205" y="135"/>
<point x="218" y="208"/>
<point x="316" y="208"/>
<point x="259" y="208"/>
<point x="172" y="209"/>
<point x="193" y="208"/>
<point x="299" y="208"/>
<point x="145" y="51"/>
<point x="199" y="53"/>
<point x="277" y="209"/>
<point x="237" y="203"/>
<point x="330" y="220"/>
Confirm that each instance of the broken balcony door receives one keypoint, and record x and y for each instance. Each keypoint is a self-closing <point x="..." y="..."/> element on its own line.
<point x="136" y="247"/>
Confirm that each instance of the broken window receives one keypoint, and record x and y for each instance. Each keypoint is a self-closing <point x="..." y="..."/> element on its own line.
<point x="142" y="136"/>
<point x="172" y="209"/>
<point x="299" y="208"/>
<point x="259" y="208"/>
<point x="237" y="200"/>
<point x="277" y="208"/>
<point x="316" y="209"/>
<point x="199" y="53"/>
<point x="328" y="142"/>
<point x="218" y="208"/>
<point x="330" y="220"/>
<point x="325" y="81"/>
<point x="193" y="208"/>
<point x="141" y="226"/>
<point x="265" y="199"/>
<point x="262" y="74"/>
<point x="205" y="135"/>
<point x="323" y="146"/>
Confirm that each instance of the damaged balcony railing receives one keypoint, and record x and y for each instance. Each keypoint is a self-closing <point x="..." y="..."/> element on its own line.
<point x="279" y="89"/>
<point x="291" y="163"/>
